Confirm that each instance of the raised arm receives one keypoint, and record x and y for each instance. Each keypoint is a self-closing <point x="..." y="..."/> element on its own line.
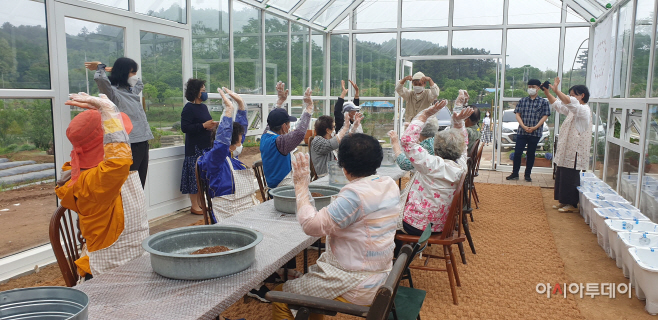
<point x="101" y="79"/>
<point x="400" y="158"/>
<point x="563" y="97"/>
<point x="434" y="89"/>
<point x="401" y="90"/>
<point x="338" y="108"/>
<point x="241" y="116"/>
<point x="410" y="140"/>
<point x="282" y="94"/>
<point x="289" y="141"/>
<point x="356" y="92"/>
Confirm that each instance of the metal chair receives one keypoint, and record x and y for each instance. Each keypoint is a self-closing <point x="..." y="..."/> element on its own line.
<point x="408" y="300"/>
<point x="65" y="234"/>
<point x="451" y="235"/>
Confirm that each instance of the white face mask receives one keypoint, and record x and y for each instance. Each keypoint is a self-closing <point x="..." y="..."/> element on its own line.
<point x="532" y="91"/>
<point x="418" y="89"/>
<point x="132" y="81"/>
<point x="333" y="134"/>
<point x="237" y="151"/>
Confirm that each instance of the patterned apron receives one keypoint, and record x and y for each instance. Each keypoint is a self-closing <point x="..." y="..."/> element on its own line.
<point x="243" y="196"/>
<point x="135" y="229"/>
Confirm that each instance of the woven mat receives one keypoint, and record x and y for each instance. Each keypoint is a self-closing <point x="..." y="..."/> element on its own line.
<point x="515" y="251"/>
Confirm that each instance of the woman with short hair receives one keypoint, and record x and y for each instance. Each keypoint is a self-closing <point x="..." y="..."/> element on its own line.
<point x="122" y="87"/>
<point x="325" y="142"/>
<point x="573" y="149"/>
<point x="359" y="225"/>
<point x="197" y="124"/>
<point x="430" y="129"/>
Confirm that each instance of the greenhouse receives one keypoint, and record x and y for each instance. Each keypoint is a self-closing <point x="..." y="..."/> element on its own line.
<point x="125" y="124"/>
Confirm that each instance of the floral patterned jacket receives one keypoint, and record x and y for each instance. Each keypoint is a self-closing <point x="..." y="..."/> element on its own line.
<point x="432" y="191"/>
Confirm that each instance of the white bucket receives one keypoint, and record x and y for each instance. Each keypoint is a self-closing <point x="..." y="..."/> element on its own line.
<point x="629" y="240"/>
<point x="612" y="213"/>
<point x="587" y="206"/>
<point x="614" y="226"/>
<point x="645" y="272"/>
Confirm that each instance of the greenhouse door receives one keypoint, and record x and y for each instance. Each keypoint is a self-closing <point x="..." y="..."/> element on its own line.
<point x="480" y="75"/>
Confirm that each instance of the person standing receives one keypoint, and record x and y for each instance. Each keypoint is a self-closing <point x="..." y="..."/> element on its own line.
<point x="197" y="124"/>
<point x="531" y="112"/>
<point x="341" y="106"/>
<point x="573" y="151"/>
<point x="419" y="98"/>
<point x="123" y="87"/>
<point x="486" y="128"/>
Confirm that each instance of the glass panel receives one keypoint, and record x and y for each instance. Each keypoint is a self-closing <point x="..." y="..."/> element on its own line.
<point x="210" y="43"/>
<point x="614" y="127"/>
<point x="345" y="25"/>
<point x="299" y="57"/>
<point x="623" y="49"/>
<point x="572" y="16"/>
<point x="535" y="60"/>
<point x="375" y="14"/>
<point x="604" y="2"/>
<point x="654" y="85"/>
<point x="309" y="8"/>
<point x="318" y="110"/>
<point x="23" y="45"/>
<point x="576" y="46"/>
<point x="296" y="109"/>
<point x="276" y="52"/>
<point x="594" y="10"/>
<point x="600" y="139"/>
<point x="163" y="87"/>
<point x="477" y="12"/>
<point x="633" y="126"/>
<point x="612" y="169"/>
<point x="424" y="43"/>
<point x="477" y="42"/>
<point x="378" y="118"/>
<point x="88" y="41"/>
<point x="339" y="63"/>
<point x="27" y="195"/>
<point x="641" y="48"/>
<point x="285" y="5"/>
<point x="649" y="196"/>
<point x="329" y="15"/>
<point x="121" y="4"/>
<point x="425" y="13"/>
<point x="247" y="49"/>
<point x="255" y="117"/>
<point x="534" y="11"/>
<point x="508" y="135"/>
<point x="318" y="62"/>
<point x="173" y="10"/>
<point x="375" y="56"/>
<point x="629" y="170"/>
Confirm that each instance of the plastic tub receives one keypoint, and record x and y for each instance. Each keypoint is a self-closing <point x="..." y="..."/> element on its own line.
<point x="170" y="251"/>
<point x="614" y="226"/>
<point x="630" y="240"/>
<point x="587" y="198"/>
<point x="645" y="272"/>
<point x="47" y="303"/>
<point x="612" y="213"/>
<point x="611" y="201"/>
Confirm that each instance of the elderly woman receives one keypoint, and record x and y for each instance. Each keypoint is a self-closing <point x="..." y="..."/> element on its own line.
<point x="325" y="142"/>
<point x="197" y="124"/>
<point x="359" y="225"/>
<point x="573" y="150"/>
<point x="426" y="141"/>
<point x="435" y="184"/>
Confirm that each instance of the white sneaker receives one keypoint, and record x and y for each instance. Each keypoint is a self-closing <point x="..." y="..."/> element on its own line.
<point x="567" y="208"/>
<point x="558" y="206"/>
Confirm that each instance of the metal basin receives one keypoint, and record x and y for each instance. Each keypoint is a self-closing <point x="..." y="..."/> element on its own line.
<point x="45" y="303"/>
<point x="286" y="202"/>
<point x="170" y="251"/>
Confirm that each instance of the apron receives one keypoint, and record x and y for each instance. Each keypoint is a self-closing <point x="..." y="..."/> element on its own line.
<point x="243" y="196"/>
<point x="135" y="229"/>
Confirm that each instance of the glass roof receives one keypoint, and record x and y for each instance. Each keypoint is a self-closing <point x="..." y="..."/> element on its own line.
<point x="330" y="14"/>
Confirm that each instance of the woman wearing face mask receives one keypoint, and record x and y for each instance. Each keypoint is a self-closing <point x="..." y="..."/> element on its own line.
<point x="326" y="141"/>
<point x="486" y="128"/>
<point x="572" y="154"/>
<point x="197" y="124"/>
<point x="123" y="87"/>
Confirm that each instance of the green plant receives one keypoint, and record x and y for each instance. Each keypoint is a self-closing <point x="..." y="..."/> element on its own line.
<point x="26" y="147"/>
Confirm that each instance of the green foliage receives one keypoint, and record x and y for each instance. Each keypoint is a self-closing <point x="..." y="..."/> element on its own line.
<point x="40" y="130"/>
<point x="24" y="56"/>
<point x="23" y="121"/>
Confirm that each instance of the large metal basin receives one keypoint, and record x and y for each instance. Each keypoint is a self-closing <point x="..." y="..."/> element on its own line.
<point x="44" y="303"/>
<point x="170" y="251"/>
<point x="286" y="202"/>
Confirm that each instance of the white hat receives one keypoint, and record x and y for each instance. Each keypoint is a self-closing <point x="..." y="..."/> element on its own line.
<point x="418" y="76"/>
<point x="350" y="106"/>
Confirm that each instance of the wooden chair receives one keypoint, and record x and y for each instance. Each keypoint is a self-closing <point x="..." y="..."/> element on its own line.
<point x="474" y="193"/>
<point x="262" y="183"/>
<point x="391" y="300"/>
<point x="205" y="202"/>
<point x="65" y="235"/>
<point x="314" y="175"/>
<point x="451" y="235"/>
<point x="468" y="187"/>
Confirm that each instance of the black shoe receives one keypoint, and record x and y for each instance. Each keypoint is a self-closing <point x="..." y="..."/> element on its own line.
<point x="528" y="179"/>
<point x="513" y="177"/>
<point x="259" y="294"/>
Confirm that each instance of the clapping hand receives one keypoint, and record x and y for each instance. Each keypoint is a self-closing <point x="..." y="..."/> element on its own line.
<point x="282" y="93"/>
<point x="228" y="105"/>
<point x="301" y="170"/>
<point x="357" y="119"/>
<point x="344" y="90"/>
<point x="308" y="102"/>
<point x="461" y="116"/>
<point x="555" y="84"/>
<point x="432" y="110"/>
<point x="462" y="99"/>
<point x="238" y="99"/>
